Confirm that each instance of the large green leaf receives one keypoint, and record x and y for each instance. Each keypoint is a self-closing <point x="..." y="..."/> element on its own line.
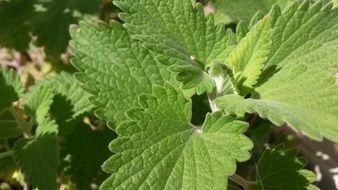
<point x="158" y="148"/>
<point x="302" y="96"/>
<point x="279" y="169"/>
<point x="38" y="156"/>
<point x="179" y="31"/>
<point x="113" y="67"/>
<point x="306" y="33"/>
<point x="11" y="88"/>
<point x="302" y="91"/>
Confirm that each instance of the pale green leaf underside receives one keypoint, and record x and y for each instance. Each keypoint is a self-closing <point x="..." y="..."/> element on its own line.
<point x="38" y="101"/>
<point x="250" y="55"/>
<point x="113" y="67"/>
<point x="11" y="88"/>
<point x="179" y="31"/>
<point x="304" y="97"/>
<point x="158" y="148"/>
<point x="282" y="169"/>
<point x="38" y="157"/>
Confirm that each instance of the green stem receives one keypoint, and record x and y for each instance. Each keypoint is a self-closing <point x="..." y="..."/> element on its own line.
<point x="5" y="154"/>
<point x="21" y="123"/>
<point x="240" y="181"/>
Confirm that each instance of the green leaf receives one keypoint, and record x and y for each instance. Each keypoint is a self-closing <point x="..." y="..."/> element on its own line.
<point x="14" y="30"/>
<point x="244" y="9"/>
<point x="68" y="94"/>
<point x="306" y="33"/>
<point x="38" y="101"/>
<point x="11" y="88"/>
<point x="280" y="169"/>
<point x="113" y="67"/>
<point x="158" y="148"/>
<point x="38" y="156"/>
<point x="302" y="96"/>
<point x="180" y="33"/>
<point x="250" y="55"/>
<point x="51" y="23"/>
<point x="83" y="165"/>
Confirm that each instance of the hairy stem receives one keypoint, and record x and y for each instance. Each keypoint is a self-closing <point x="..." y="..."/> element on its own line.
<point x="6" y="154"/>
<point x="240" y="181"/>
<point x="21" y="123"/>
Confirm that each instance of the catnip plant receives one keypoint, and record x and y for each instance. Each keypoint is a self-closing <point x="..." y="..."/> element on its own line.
<point x="147" y="76"/>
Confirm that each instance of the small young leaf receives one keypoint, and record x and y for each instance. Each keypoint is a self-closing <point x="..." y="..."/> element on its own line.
<point x="250" y="55"/>
<point x="282" y="169"/>
<point x="158" y="147"/>
<point x="38" y="157"/>
<point x="68" y="93"/>
<point x="38" y="101"/>
<point x="11" y="88"/>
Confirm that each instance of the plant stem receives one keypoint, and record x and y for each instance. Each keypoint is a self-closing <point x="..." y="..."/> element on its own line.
<point x="5" y="154"/>
<point x="19" y="121"/>
<point x="240" y="181"/>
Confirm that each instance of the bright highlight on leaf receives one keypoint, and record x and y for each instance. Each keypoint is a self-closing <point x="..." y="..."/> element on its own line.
<point x="159" y="148"/>
<point x="282" y="169"/>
